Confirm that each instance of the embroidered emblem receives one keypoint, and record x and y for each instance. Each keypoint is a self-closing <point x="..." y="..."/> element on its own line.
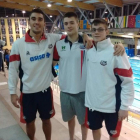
<point x="103" y="63"/>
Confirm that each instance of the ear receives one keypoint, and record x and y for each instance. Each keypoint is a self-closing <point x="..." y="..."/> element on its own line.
<point x="29" y="22"/>
<point x="44" y="23"/>
<point x="107" y="32"/>
<point x="29" y="27"/>
<point x="78" y="23"/>
<point x="90" y="28"/>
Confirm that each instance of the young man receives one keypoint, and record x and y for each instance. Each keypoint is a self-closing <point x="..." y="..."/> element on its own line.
<point x="72" y="74"/>
<point x="109" y="86"/>
<point x="31" y="59"/>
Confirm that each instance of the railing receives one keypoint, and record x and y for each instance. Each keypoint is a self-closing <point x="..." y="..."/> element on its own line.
<point x="55" y="85"/>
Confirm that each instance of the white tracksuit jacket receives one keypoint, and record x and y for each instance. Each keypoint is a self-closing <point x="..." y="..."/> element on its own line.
<point x="32" y="63"/>
<point x="109" y="85"/>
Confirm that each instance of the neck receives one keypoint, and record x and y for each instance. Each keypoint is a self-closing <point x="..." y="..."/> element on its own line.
<point x="73" y="38"/>
<point x="36" y="36"/>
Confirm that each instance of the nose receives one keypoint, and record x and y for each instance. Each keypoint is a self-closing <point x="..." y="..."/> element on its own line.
<point x="69" y="25"/>
<point x="36" y="21"/>
<point x="96" y="31"/>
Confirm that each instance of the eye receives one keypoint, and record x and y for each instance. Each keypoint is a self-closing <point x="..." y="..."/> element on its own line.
<point x="94" y="30"/>
<point x="65" y="23"/>
<point x="40" y="19"/>
<point x="33" y="18"/>
<point x="71" y="22"/>
<point x="100" y="30"/>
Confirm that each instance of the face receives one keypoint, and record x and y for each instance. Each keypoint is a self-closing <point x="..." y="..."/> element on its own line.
<point x="99" y="32"/>
<point x="71" y="25"/>
<point x="36" y="23"/>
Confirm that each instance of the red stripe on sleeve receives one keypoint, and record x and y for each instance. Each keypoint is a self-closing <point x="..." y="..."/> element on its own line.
<point x="123" y="72"/>
<point x="55" y="54"/>
<point x="14" y="57"/>
<point x="62" y="37"/>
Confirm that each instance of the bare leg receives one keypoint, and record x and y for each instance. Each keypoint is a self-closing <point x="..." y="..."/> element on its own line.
<point x="84" y="132"/>
<point x="71" y="125"/>
<point x="112" y="138"/>
<point x="96" y="134"/>
<point x="46" y="125"/>
<point x="30" y="129"/>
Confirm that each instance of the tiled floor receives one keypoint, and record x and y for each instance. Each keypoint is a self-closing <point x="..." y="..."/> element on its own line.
<point x="59" y="128"/>
<point x="9" y="127"/>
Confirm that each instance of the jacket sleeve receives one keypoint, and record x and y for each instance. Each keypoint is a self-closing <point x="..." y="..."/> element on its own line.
<point x="124" y="71"/>
<point x="13" y="69"/>
<point x="58" y="37"/>
<point x="55" y="54"/>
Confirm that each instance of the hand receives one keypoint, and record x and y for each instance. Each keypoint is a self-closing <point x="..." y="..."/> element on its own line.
<point x="119" y="49"/>
<point x="122" y="114"/>
<point x="88" y="42"/>
<point x="15" y="100"/>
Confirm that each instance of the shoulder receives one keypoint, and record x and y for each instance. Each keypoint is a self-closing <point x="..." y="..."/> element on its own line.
<point x="50" y="35"/>
<point x="53" y="37"/>
<point x="19" y="42"/>
<point x="58" y="43"/>
<point x="91" y="49"/>
<point x="111" y="47"/>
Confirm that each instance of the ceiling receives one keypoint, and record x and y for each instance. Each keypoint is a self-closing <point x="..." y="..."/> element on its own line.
<point x="61" y="5"/>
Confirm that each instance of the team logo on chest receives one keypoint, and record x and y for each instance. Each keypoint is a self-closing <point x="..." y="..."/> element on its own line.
<point x="47" y="55"/>
<point x="27" y="53"/>
<point x="40" y="57"/>
<point x="63" y="48"/>
<point x="50" y="46"/>
<point x="103" y="63"/>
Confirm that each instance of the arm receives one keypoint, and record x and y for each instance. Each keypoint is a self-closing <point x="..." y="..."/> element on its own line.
<point x="124" y="71"/>
<point x="58" y="37"/>
<point x="55" y="60"/>
<point x="119" y="49"/>
<point x="88" y="41"/>
<point x="55" y="56"/>
<point x="13" y="74"/>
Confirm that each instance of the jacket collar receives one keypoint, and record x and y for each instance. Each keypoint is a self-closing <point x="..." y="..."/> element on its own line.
<point x="29" y="38"/>
<point x="80" y="39"/>
<point x="103" y="44"/>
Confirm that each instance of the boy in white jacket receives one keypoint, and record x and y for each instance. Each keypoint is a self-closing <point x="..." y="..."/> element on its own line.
<point x="109" y="87"/>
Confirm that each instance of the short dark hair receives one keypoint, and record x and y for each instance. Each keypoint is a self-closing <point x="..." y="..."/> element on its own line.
<point x="70" y="14"/>
<point x="98" y="21"/>
<point x="37" y="10"/>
